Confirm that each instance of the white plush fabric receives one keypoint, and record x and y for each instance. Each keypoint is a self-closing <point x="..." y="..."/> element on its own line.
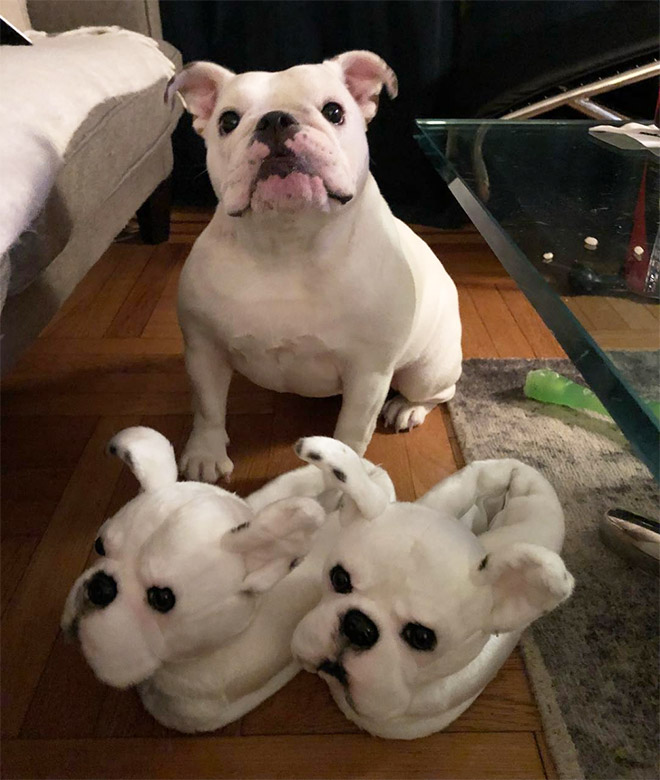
<point x="240" y="574"/>
<point x="423" y="602"/>
<point x="48" y="90"/>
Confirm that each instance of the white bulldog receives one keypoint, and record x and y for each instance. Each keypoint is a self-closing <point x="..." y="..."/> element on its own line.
<point x="423" y="602"/>
<point x="194" y="599"/>
<point x="304" y="281"/>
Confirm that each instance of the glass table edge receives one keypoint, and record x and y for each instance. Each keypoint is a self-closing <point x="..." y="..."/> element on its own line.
<point x="574" y="339"/>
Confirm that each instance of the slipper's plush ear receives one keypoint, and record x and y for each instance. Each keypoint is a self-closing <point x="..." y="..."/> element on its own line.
<point x="527" y="581"/>
<point x="275" y="541"/>
<point x="147" y="454"/>
<point x="365" y="74"/>
<point x="199" y="84"/>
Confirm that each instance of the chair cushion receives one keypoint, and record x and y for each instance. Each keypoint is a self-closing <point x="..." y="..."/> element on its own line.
<point x="78" y="113"/>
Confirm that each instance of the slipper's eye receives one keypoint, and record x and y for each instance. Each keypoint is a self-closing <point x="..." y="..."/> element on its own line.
<point x="340" y="579"/>
<point x="98" y="546"/>
<point x="419" y="637"/>
<point x="160" y="599"/>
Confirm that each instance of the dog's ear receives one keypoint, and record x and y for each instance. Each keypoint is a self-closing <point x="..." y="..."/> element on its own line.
<point x="148" y="454"/>
<point x="365" y="74"/>
<point x="199" y="84"/>
<point x="527" y="581"/>
<point x="275" y="540"/>
<point x="367" y="489"/>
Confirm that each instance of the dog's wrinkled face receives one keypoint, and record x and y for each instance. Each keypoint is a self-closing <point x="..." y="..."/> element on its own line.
<point x="401" y="607"/>
<point x="290" y="140"/>
<point x="180" y="567"/>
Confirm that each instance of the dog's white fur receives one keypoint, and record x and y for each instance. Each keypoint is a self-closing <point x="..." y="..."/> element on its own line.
<point x="225" y="645"/>
<point x="475" y="560"/>
<point x="295" y="290"/>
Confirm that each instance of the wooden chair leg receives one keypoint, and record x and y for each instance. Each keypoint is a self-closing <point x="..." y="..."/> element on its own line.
<point x="154" y="214"/>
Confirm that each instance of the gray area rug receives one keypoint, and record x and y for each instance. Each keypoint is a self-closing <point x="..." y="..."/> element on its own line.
<point x="593" y="663"/>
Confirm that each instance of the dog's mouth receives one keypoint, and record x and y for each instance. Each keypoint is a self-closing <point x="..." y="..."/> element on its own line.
<point x="288" y="180"/>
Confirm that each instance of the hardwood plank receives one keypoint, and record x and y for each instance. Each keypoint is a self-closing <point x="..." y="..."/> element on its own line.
<point x="44" y="366"/>
<point x="388" y="449"/>
<point x="600" y="312"/>
<point x="16" y="552"/>
<point x="573" y="303"/>
<point x="627" y="339"/>
<point x="653" y="309"/>
<point x="544" y="344"/>
<point x="31" y="621"/>
<point x="636" y="315"/>
<point x="164" y="322"/>
<point x="138" y="306"/>
<point x="36" y="442"/>
<point x="295" y="417"/>
<point x="88" y="287"/>
<point x="508" y="338"/>
<point x="546" y="756"/>
<point x="456" y="756"/>
<point x="430" y="453"/>
<point x="107" y="346"/>
<point x="477" y="342"/>
<point x="305" y="706"/>
<point x="92" y="316"/>
<point x="29" y="498"/>
<point x="507" y="704"/>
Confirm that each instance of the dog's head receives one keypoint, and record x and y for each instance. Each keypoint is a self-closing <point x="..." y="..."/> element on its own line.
<point x="411" y="595"/>
<point x="290" y="140"/>
<point x="181" y="566"/>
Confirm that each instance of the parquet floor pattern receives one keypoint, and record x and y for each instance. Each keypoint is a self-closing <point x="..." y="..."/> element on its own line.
<point x="112" y="358"/>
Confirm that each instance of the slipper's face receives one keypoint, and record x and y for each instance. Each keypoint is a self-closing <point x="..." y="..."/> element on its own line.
<point x="164" y="587"/>
<point x="412" y="597"/>
<point x="401" y="607"/>
<point x="180" y="567"/>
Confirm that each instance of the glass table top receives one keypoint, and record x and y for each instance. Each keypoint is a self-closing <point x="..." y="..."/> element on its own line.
<point x="574" y="220"/>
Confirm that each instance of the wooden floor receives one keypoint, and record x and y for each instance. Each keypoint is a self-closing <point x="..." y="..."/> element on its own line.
<point x="112" y="358"/>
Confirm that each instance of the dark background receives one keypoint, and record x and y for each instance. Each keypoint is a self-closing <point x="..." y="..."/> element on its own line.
<point x="453" y="58"/>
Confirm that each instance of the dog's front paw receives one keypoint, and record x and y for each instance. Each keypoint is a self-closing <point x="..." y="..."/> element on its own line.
<point x="205" y="458"/>
<point x="204" y="467"/>
<point x="404" y="415"/>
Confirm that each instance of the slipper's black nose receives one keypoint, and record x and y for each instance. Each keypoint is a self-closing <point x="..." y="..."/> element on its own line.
<point x="360" y="630"/>
<point x="101" y="589"/>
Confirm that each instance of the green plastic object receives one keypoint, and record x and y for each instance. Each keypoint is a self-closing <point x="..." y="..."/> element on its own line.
<point x="548" y="386"/>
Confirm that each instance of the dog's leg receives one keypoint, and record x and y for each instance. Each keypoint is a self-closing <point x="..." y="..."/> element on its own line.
<point x="363" y="398"/>
<point x="205" y="455"/>
<point x="422" y="386"/>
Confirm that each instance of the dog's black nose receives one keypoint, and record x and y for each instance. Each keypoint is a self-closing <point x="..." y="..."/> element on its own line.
<point x="360" y="630"/>
<point x="101" y="589"/>
<point x="275" y="127"/>
<point x="334" y="669"/>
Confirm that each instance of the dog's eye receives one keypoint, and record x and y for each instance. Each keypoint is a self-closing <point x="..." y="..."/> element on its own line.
<point x="160" y="599"/>
<point x="419" y="637"/>
<point x="98" y="546"/>
<point x="340" y="579"/>
<point x="333" y="112"/>
<point x="228" y="122"/>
